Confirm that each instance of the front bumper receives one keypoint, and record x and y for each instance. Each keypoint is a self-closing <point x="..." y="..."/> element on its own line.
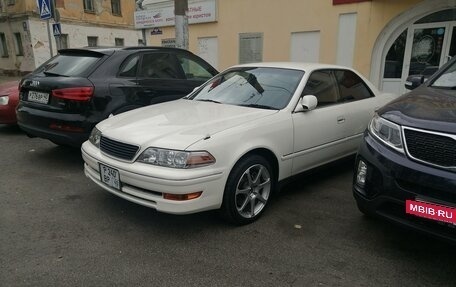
<point x="145" y="184"/>
<point x="392" y="178"/>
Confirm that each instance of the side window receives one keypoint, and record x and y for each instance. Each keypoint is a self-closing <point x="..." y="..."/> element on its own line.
<point x="130" y="67"/>
<point x="193" y="69"/>
<point x="158" y="66"/>
<point x="322" y="85"/>
<point x="351" y="86"/>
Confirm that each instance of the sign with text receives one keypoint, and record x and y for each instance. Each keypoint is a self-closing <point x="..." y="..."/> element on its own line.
<point x="431" y="211"/>
<point x="198" y="12"/>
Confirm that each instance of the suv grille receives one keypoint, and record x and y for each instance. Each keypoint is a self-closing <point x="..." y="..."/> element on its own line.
<point x="118" y="149"/>
<point x="435" y="149"/>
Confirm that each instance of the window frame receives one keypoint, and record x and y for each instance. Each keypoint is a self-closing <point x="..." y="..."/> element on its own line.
<point x="4" y="46"/>
<point x="92" y="37"/>
<point x="121" y="40"/>
<point x="18" y="44"/>
<point x="86" y="4"/>
<point x="117" y="4"/>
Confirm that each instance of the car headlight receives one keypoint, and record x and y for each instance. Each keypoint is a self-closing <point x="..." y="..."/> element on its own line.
<point x="386" y="131"/>
<point x="4" y="100"/>
<point x="176" y="158"/>
<point x="95" y="137"/>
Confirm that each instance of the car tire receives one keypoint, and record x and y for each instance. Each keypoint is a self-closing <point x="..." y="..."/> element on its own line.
<point x="248" y="190"/>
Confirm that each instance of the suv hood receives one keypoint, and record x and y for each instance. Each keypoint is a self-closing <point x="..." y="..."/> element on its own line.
<point x="426" y="108"/>
<point x="177" y="124"/>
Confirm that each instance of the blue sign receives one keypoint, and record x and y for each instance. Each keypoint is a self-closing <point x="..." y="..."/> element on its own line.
<point x="44" y="7"/>
<point x="57" y="29"/>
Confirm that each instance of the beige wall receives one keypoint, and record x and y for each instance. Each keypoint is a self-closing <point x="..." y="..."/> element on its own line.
<point x="278" y="19"/>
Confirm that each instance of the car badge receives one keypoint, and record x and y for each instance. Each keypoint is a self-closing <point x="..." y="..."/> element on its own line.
<point x="35" y="83"/>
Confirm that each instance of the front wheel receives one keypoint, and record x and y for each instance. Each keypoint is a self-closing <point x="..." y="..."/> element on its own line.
<point x="248" y="190"/>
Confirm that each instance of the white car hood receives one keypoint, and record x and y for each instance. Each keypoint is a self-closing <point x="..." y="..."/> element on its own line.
<point x="177" y="124"/>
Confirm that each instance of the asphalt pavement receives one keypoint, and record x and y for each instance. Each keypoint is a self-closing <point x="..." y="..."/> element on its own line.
<point x="57" y="228"/>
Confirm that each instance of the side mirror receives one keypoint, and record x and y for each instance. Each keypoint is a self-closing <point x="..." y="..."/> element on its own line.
<point x="308" y="103"/>
<point x="414" y="81"/>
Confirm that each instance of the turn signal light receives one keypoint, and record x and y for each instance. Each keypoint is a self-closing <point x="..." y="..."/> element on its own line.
<point x="182" y="197"/>
<point x="74" y="94"/>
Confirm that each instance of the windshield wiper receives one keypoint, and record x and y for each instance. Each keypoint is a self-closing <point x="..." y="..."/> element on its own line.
<point x="53" y="74"/>
<point x="259" y="106"/>
<point x="208" y="100"/>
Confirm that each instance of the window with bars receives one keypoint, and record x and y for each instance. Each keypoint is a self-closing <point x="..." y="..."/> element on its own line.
<point x="115" y="7"/>
<point x="119" y="42"/>
<point x="92" y="41"/>
<point x="88" y="6"/>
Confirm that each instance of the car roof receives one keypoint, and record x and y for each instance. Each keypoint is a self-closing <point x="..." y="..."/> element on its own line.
<point x="295" y="65"/>
<point x="110" y="50"/>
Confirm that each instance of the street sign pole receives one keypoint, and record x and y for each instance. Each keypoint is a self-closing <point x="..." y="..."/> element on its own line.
<point x="44" y="9"/>
<point x="49" y="37"/>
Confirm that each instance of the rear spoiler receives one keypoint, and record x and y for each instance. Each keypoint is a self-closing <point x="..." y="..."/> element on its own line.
<point x="90" y="52"/>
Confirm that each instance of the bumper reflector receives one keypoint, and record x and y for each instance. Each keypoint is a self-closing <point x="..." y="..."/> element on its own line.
<point x="361" y="173"/>
<point x="182" y="197"/>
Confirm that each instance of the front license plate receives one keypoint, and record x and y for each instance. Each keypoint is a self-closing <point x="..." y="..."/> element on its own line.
<point x="110" y="176"/>
<point x="431" y="211"/>
<point x="38" y="97"/>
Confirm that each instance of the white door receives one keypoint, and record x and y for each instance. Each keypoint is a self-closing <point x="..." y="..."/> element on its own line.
<point x="208" y="50"/>
<point x="305" y="47"/>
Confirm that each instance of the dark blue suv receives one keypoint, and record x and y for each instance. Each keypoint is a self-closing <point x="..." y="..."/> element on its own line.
<point x="405" y="169"/>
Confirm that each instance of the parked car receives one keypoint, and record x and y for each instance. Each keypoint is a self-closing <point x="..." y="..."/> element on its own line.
<point x="227" y="145"/>
<point x="406" y="165"/>
<point x="9" y="97"/>
<point x="67" y="96"/>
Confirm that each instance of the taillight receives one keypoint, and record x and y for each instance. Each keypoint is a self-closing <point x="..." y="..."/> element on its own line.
<point x="75" y="94"/>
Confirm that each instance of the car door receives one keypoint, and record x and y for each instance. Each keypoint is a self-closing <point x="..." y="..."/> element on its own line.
<point x="319" y="133"/>
<point x="355" y="97"/>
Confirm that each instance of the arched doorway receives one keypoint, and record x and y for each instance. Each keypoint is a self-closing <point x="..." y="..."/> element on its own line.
<point x="416" y="42"/>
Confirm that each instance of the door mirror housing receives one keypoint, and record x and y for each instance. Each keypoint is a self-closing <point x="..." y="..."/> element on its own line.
<point x="414" y="81"/>
<point x="307" y="103"/>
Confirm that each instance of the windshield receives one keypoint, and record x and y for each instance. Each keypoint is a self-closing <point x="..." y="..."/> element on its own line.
<point x="68" y="65"/>
<point x="447" y="80"/>
<point x="268" y="88"/>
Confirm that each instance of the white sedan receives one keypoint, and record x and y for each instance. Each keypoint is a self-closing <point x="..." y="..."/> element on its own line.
<point x="227" y="144"/>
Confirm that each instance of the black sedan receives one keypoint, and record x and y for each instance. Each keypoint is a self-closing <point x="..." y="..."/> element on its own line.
<point x="67" y="96"/>
<point x="406" y="166"/>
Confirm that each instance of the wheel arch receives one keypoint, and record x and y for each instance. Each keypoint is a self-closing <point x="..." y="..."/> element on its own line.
<point x="265" y="153"/>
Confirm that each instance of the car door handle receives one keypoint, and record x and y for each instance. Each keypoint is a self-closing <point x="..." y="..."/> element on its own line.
<point x="340" y="120"/>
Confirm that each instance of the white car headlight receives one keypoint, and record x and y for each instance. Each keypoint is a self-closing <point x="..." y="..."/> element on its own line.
<point x="386" y="131"/>
<point x="4" y="100"/>
<point x="176" y="158"/>
<point x="95" y="137"/>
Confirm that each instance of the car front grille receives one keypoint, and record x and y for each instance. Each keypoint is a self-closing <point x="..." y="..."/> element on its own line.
<point x="433" y="148"/>
<point x="118" y="149"/>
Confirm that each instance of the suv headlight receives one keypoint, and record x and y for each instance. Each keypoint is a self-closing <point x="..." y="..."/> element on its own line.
<point x="95" y="137"/>
<point x="176" y="158"/>
<point x="386" y="131"/>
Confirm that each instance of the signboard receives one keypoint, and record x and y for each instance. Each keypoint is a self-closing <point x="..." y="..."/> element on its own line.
<point x="57" y="29"/>
<point x="44" y="8"/>
<point x="156" y="31"/>
<point x="198" y="12"/>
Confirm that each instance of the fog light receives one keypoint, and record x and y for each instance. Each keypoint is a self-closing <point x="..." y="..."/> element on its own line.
<point x="361" y="173"/>
<point x="182" y="197"/>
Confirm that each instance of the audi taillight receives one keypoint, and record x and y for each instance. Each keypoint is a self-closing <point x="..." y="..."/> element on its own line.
<point x="74" y="94"/>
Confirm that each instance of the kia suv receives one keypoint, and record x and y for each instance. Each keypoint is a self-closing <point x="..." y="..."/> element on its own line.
<point x="406" y="166"/>
<point x="67" y="96"/>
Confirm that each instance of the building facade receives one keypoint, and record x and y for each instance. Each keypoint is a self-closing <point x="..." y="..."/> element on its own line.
<point x="26" y="41"/>
<point x="383" y="39"/>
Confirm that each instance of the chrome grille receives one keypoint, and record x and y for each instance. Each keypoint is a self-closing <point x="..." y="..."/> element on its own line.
<point x="118" y="149"/>
<point x="433" y="148"/>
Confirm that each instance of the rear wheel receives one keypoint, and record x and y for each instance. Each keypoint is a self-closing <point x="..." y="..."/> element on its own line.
<point x="248" y="190"/>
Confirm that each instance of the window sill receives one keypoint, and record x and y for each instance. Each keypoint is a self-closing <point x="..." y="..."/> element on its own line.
<point x="89" y="11"/>
<point x="117" y="15"/>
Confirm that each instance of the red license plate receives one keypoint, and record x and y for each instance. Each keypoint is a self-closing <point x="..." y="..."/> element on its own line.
<point x="431" y="211"/>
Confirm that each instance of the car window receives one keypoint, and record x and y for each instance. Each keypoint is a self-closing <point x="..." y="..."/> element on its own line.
<point x="351" y="86"/>
<point x="259" y="87"/>
<point x="69" y="65"/>
<point x="158" y="66"/>
<point x="193" y="69"/>
<point x="322" y="85"/>
<point x="129" y="67"/>
<point x="447" y="79"/>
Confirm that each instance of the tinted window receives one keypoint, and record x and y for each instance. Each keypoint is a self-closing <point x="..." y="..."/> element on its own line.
<point x="193" y="69"/>
<point x="158" y="66"/>
<point x="351" y="86"/>
<point x="322" y="85"/>
<point x="69" y="65"/>
<point x="130" y="67"/>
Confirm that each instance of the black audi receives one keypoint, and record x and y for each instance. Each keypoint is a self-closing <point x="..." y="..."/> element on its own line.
<point x="405" y="169"/>
<point x="67" y="96"/>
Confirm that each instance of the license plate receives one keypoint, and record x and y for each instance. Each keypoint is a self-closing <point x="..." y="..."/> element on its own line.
<point x="38" y="97"/>
<point x="110" y="176"/>
<point x="431" y="211"/>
